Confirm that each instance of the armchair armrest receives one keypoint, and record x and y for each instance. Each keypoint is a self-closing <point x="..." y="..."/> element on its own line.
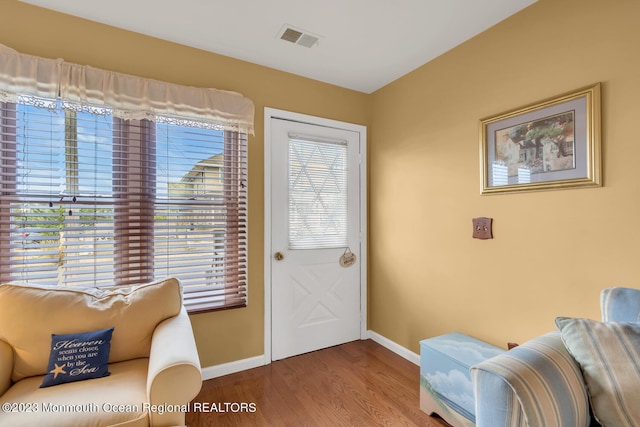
<point x="174" y="376"/>
<point x="535" y="384"/>
<point x="6" y="366"/>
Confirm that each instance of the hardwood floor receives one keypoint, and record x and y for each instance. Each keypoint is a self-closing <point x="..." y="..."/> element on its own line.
<point x="354" y="384"/>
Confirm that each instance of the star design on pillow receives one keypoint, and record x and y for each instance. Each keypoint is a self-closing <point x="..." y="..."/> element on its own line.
<point x="58" y="370"/>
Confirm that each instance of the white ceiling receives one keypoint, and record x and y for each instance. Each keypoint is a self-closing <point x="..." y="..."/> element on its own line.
<point x="364" y="44"/>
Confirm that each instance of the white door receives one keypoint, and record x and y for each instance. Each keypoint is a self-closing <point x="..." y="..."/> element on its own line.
<point x="315" y="230"/>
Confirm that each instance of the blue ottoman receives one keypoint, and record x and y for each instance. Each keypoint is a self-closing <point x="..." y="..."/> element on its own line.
<point x="445" y="381"/>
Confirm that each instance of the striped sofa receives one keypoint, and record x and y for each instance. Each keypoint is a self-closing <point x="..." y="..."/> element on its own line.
<point x="540" y="383"/>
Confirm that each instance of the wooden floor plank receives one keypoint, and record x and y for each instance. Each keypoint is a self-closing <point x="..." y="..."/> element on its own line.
<point x="355" y="384"/>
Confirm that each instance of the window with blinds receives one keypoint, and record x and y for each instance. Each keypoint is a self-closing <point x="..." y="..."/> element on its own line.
<point x="94" y="200"/>
<point x="318" y="193"/>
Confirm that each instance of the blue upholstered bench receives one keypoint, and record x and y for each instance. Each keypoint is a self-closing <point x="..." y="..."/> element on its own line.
<point x="445" y="381"/>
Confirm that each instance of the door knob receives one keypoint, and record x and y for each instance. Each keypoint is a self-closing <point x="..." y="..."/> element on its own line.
<point x="279" y="256"/>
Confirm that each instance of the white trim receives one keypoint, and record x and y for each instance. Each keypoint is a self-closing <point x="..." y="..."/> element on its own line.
<point x="396" y="348"/>
<point x="216" y="371"/>
<point x="271" y="113"/>
<point x="232" y="367"/>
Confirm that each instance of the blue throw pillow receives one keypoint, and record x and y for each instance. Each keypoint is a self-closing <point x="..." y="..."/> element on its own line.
<point x="76" y="357"/>
<point x="609" y="355"/>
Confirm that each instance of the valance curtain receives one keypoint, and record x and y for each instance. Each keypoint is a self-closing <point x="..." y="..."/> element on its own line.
<point x="126" y="96"/>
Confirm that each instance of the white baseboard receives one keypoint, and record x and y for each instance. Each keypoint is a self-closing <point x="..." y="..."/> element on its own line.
<point x="232" y="367"/>
<point x="396" y="348"/>
<point x="216" y="371"/>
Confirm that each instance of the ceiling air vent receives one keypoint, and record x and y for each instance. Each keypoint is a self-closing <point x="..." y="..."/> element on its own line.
<point x="298" y="36"/>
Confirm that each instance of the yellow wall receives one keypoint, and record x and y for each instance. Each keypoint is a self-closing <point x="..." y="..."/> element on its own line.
<point x="232" y="334"/>
<point x="552" y="251"/>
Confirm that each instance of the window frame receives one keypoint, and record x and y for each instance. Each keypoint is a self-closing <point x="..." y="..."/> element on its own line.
<point x="234" y="291"/>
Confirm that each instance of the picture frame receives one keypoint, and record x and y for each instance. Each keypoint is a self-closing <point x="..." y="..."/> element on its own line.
<point x="552" y="144"/>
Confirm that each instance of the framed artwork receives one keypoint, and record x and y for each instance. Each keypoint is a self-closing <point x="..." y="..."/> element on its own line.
<point x="552" y="144"/>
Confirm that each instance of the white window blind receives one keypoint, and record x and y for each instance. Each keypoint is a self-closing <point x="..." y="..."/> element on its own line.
<point x="318" y="193"/>
<point x="94" y="198"/>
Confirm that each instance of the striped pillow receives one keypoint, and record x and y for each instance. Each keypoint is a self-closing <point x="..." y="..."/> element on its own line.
<point x="609" y="356"/>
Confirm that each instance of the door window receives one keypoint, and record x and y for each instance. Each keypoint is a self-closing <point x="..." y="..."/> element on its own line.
<point x="318" y="193"/>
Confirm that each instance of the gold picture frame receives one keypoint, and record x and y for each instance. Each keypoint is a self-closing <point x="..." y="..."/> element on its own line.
<point x="549" y="145"/>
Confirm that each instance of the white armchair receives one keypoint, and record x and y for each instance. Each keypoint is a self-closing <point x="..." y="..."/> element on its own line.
<point x="153" y="360"/>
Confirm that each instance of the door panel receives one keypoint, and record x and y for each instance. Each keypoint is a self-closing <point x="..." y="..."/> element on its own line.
<point x="315" y="220"/>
